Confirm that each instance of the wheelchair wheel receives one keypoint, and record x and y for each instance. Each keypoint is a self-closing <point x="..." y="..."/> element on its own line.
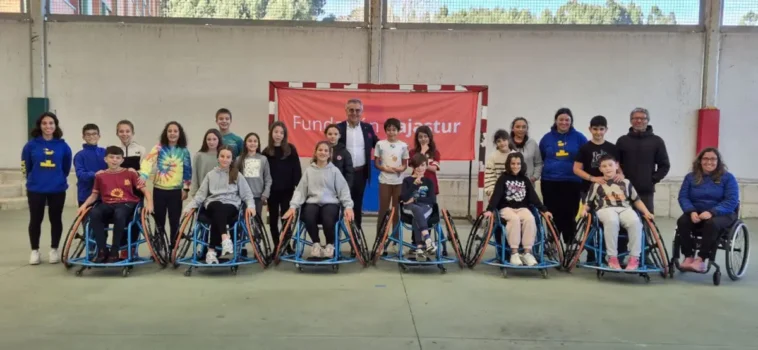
<point x="554" y="248"/>
<point x="74" y="243"/>
<point x="358" y="241"/>
<point x="284" y="238"/>
<point x="478" y="239"/>
<point x="157" y="242"/>
<point x="574" y="251"/>
<point x="657" y="250"/>
<point x="382" y="235"/>
<point x="183" y="238"/>
<point x="261" y="248"/>
<point x="452" y="236"/>
<point x="738" y="252"/>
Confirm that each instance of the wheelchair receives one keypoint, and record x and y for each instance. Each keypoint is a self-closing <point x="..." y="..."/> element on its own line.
<point x="81" y="250"/>
<point x="295" y="235"/>
<point x="441" y="234"/>
<point x="192" y="242"/>
<point x="547" y="249"/>
<point x="734" y="240"/>
<point x="654" y="257"/>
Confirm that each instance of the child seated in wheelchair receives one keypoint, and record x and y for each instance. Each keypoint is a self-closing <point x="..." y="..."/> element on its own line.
<point x="221" y="193"/>
<point x="418" y="197"/>
<point x="114" y="187"/>
<point x="320" y="192"/>
<point x="512" y="196"/>
<point x="613" y="202"/>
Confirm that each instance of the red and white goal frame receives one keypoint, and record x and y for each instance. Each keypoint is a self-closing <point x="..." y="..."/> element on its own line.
<point x="482" y="90"/>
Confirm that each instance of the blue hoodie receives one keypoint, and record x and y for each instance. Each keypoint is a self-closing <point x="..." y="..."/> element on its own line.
<point x="46" y="165"/>
<point x="558" y="152"/>
<point x="87" y="162"/>
<point x="720" y="198"/>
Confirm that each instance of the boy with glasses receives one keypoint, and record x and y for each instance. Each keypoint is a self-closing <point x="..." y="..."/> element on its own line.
<point x="88" y="162"/>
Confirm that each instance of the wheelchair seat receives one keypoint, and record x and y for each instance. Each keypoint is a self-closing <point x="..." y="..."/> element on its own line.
<point x="433" y="219"/>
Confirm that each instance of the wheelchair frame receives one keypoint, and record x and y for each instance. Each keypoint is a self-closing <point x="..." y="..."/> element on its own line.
<point x="548" y="252"/>
<point x="195" y="235"/>
<point x="294" y="230"/>
<point x="85" y="243"/>
<point x="385" y="236"/>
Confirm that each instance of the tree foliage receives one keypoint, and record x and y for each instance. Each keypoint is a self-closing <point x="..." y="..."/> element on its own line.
<point x="749" y="19"/>
<point x="246" y="9"/>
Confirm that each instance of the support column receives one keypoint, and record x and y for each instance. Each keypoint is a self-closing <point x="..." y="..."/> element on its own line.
<point x="38" y="54"/>
<point x="713" y="13"/>
<point x="375" y="41"/>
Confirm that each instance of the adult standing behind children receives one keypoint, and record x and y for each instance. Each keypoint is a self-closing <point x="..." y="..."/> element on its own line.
<point x="360" y="139"/>
<point x="284" y="164"/>
<point x="133" y="151"/>
<point x="46" y="163"/>
<point x="88" y="162"/>
<point x="391" y="158"/>
<point x="224" y="122"/>
<point x="522" y="143"/>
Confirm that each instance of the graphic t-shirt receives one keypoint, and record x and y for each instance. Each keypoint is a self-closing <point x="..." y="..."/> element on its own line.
<point x="613" y="194"/>
<point x="423" y="192"/>
<point x="589" y="155"/>
<point x="116" y="186"/>
<point x="391" y="154"/>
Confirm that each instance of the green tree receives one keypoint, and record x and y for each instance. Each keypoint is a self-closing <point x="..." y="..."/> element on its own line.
<point x="749" y="19"/>
<point x="656" y="16"/>
<point x="245" y="9"/>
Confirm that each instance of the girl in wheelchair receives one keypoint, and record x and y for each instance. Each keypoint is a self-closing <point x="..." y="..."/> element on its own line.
<point x="512" y="196"/>
<point x="222" y="193"/>
<point x="612" y="203"/>
<point x="320" y="192"/>
<point x="418" y="197"/>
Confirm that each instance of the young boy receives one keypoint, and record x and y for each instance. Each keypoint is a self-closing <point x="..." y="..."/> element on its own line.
<point x="390" y="157"/>
<point x="612" y="201"/>
<point x="88" y="161"/>
<point x="114" y="186"/>
<point x="418" y="197"/>
<point x="224" y="121"/>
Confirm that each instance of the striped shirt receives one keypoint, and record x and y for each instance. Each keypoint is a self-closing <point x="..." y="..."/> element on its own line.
<point x="612" y="195"/>
<point x="493" y="169"/>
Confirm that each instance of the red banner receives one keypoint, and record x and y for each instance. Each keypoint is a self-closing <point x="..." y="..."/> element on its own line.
<point x="450" y="115"/>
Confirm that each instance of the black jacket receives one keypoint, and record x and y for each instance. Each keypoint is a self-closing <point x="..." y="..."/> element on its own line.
<point x="515" y="192"/>
<point x="285" y="171"/>
<point x="643" y="159"/>
<point x="344" y="162"/>
<point x="369" y="140"/>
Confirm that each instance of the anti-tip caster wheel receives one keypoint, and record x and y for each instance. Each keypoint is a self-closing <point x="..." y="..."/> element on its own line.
<point x="402" y="267"/>
<point x="504" y="272"/>
<point x="234" y="270"/>
<point x="717" y="278"/>
<point x="125" y="272"/>
<point x="442" y="268"/>
<point x="599" y="274"/>
<point x="544" y="273"/>
<point x="646" y="277"/>
<point x="78" y="273"/>
<point x="335" y="268"/>
<point x="188" y="272"/>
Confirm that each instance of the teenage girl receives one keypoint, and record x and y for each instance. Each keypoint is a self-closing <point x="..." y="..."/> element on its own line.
<point x="255" y="169"/>
<point x="206" y="159"/>
<point x="173" y="176"/>
<point x="285" y="172"/>
<point x="134" y="153"/>
<point x="341" y="157"/>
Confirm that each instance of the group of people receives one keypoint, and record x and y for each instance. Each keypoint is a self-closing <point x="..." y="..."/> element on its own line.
<point x="229" y="172"/>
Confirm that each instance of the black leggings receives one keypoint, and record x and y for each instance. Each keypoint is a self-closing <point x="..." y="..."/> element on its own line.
<point x="710" y="231"/>
<point x="221" y="215"/>
<point x="562" y="200"/>
<point x="327" y="215"/>
<point x="37" y="203"/>
<point x="278" y="204"/>
<point x="168" y="201"/>
<point x="99" y="218"/>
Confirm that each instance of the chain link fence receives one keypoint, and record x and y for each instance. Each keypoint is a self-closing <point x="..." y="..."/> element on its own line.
<point x="13" y="6"/>
<point x="740" y="13"/>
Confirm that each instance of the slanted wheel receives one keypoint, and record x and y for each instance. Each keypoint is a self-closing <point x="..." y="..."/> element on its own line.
<point x="358" y="247"/>
<point x="284" y="238"/>
<point x="74" y="244"/>
<point x="184" y="238"/>
<point x="656" y="250"/>
<point x="717" y="278"/>
<point x="478" y="239"/>
<point x="258" y="239"/>
<point x="454" y="238"/>
<point x="156" y="240"/>
<point x="554" y="249"/>
<point x="738" y="252"/>
<point x="574" y="250"/>
<point x="381" y="236"/>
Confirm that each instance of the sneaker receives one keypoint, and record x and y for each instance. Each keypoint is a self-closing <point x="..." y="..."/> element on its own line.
<point x="529" y="259"/>
<point x="516" y="260"/>
<point x="634" y="264"/>
<point x="54" y="257"/>
<point x="211" y="258"/>
<point x="227" y="247"/>
<point x="613" y="263"/>
<point x="420" y="254"/>
<point x="698" y="265"/>
<point x="329" y="251"/>
<point x="123" y="255"/>
<point x="34" y="258"/>
<point x="317" y="251"/>
<point x="431" y="248"/>
<point x="687" y="264"/>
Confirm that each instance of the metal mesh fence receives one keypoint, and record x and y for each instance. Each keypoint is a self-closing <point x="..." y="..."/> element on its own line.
<point x="300" y="10"/>
<point x="600" y="12"/>
<point x="12" y="6"/>
<point x="740" y="13"/>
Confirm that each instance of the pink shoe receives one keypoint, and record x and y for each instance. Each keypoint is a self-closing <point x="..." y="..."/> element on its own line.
<point x="613" y="262"/>
<point x="686" y="265"/>
<point x="698" y="265"/>
<point x="634" y="264"/>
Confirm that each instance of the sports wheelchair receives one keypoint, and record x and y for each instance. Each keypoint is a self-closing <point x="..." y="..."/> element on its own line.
<point x="734" y="240"/>
<point x="81" y="250"/>
<point x="388" y="234"/>
<point x="192" y="242"/>
<point x="345" y="232"/>
<point x="654" y="256"/>
<point x="547" y="248"/>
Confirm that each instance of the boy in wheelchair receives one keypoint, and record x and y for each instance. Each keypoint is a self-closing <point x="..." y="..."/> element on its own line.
<point x="114" y="186"/>
<point x="418" y="197"/>
<point x="612" y="203"/>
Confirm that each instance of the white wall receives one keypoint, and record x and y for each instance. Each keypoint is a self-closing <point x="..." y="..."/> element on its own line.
<point x="15" y="87"/>
<point x="152" y="74"/>
<point x="738" y="101"/>
<point x="532" y="74"/>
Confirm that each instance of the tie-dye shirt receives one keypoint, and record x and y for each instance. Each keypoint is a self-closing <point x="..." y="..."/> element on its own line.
<point x="173" y="167"/>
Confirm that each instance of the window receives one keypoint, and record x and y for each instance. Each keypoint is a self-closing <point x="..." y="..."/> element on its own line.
<point x="12" y="6"/>
<point x="740" y="13"/>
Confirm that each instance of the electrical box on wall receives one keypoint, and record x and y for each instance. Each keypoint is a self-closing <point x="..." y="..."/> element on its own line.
<point x="35" y="106"/>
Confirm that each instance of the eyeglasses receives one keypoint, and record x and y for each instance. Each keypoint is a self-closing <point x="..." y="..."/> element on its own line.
<point x="639" y="119"/>
<point x="354" y="110"/>
<point x="91" y="134"/>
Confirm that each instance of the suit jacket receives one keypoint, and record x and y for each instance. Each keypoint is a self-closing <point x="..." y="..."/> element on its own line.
<point x="369" y="140"/>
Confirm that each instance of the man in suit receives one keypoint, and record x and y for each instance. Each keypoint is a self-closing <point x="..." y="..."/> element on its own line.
<point x="359" y="138"/>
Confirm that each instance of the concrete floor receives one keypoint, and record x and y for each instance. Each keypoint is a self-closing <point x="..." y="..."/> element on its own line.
<point x="47" y="307"/>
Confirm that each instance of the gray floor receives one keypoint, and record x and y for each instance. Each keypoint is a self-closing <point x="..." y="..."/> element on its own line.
<point x="47" y="307"/>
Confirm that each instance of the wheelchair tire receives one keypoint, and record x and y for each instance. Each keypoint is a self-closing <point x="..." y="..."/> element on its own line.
<point x="658" y="253"/>
<point x="183" y="238"/>
<point x="454" y="238"/>
<point x="381" y="236"/>
<point x="475" y="252"/>
<point x="284" y="238"/>
<point x="736" y="273"/>
<point x="156" y="241"/>
<point x="74" y="239"/>
<point x="574" y="251"/>
<point x="255" y="234"/>
<point x="554" y="248"/>
<point x="358" y="241"/>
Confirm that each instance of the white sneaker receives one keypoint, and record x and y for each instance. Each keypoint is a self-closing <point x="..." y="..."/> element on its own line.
<point x="515" y="259"/>
<point x="54" y="257"/>
<point x="34" y="258"/>
<point x="529" y="259"/>
<point x="317" y="251"/>
<point x="329" y="251"/>
<point x="227" y="247"/>
<point x="210" y="257"/>
<point x="431" y="248"/>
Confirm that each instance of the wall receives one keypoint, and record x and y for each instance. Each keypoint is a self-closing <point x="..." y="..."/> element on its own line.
<point x="15" y="87"/>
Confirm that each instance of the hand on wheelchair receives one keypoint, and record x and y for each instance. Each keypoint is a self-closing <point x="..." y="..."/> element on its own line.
<point x="250" y="211"/>
<point x="149" y="206"/>
<point x="349" y="215"/>
<point x="289" y="213"/>
<point x="81" y="209"/>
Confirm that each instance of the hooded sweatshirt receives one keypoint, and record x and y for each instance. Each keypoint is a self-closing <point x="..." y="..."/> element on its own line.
<point x="257" y="173"/>
<point x="216" y="188"/>
<point x="643" y="158"/>
<point x="87" y="162"/>
<point x="558" y="152"/>
<point x="515" y="192"/>
<point x="531" y="152"/>
<point x="173" y="164"/>
<point x="133" y="155"/>
<point x="322" y="186"/>
<point x="46" y="165"/>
